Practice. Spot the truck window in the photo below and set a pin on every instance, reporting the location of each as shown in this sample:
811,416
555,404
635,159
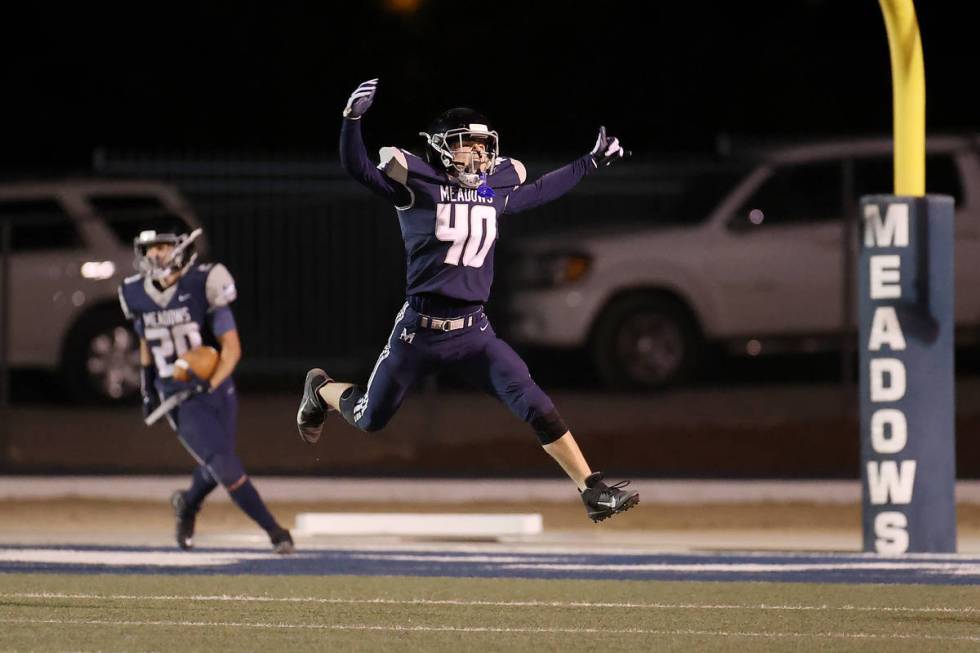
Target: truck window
796,194
691,198
39,225
126,215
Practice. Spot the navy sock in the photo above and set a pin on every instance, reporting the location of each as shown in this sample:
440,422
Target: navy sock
247,498
201,486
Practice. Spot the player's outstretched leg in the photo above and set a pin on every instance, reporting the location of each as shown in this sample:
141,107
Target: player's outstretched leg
603,501
367,408
502,372
207,430
246,497
312,409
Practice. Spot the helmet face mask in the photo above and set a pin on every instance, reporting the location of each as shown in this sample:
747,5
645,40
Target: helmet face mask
461,142
181,254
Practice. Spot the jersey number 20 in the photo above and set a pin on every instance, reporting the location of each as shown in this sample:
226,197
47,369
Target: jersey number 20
164,343
470,230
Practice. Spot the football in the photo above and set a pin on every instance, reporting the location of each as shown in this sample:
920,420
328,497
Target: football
200,360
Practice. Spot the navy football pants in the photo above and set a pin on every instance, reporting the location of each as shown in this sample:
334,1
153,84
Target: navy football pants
206,426
474,353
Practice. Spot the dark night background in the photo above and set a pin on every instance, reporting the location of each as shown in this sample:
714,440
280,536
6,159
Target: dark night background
263,75
320,261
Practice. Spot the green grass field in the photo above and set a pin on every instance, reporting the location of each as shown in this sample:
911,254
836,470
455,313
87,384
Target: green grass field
49,612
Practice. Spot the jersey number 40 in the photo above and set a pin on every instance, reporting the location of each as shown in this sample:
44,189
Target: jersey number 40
471,230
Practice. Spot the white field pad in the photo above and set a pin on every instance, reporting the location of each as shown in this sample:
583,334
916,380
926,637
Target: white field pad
418,524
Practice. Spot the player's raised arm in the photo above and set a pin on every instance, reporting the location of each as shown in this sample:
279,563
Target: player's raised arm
556,183
353,154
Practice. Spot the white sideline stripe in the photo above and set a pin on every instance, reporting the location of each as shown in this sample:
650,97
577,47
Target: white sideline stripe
504,560
126,558
232,598
755,568
520,562
485,629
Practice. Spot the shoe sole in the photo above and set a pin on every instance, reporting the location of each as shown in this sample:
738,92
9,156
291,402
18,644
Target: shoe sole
311,437
623,507
284,548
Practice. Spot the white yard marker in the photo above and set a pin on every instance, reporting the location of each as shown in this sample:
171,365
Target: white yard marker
418,524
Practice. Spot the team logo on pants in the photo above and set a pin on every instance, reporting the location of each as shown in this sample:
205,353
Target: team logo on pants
406,336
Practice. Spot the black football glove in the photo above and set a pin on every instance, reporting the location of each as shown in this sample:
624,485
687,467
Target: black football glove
360,100
607,150
195,384
151,400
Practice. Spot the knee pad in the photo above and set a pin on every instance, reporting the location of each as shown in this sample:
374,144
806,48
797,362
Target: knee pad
549,427
226,468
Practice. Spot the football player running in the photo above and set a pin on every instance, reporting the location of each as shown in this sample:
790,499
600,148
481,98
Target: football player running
448,205
176,306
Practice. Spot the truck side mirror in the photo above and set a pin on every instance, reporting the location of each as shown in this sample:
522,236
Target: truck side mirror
746,221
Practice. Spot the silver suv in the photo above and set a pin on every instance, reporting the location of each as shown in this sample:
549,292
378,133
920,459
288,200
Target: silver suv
763,270
71,245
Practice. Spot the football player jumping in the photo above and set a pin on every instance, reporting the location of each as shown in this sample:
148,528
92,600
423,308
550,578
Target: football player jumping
448,205
176,306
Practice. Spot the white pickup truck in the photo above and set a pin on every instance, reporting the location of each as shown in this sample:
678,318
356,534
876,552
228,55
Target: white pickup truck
71,244
763,271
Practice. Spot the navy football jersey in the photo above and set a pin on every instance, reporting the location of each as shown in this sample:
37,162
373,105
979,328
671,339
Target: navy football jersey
450,232
192,312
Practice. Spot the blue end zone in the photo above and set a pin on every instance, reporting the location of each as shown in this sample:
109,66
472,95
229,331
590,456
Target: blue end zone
770,567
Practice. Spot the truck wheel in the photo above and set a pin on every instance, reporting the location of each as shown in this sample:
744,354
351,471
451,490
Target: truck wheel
100,363
645,342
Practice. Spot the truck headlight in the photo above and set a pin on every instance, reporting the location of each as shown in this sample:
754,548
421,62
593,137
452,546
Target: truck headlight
98,270
552,269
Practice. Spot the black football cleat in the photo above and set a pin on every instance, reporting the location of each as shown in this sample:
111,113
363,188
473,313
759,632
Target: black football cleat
185,520
603,501
282,542
312,411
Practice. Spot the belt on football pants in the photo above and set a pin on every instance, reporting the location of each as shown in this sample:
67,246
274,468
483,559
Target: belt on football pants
449,324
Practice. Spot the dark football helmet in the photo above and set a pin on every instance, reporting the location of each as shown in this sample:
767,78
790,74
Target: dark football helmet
461,142
169,231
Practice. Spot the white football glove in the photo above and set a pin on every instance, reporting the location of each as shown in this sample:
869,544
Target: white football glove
607,150
360,100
